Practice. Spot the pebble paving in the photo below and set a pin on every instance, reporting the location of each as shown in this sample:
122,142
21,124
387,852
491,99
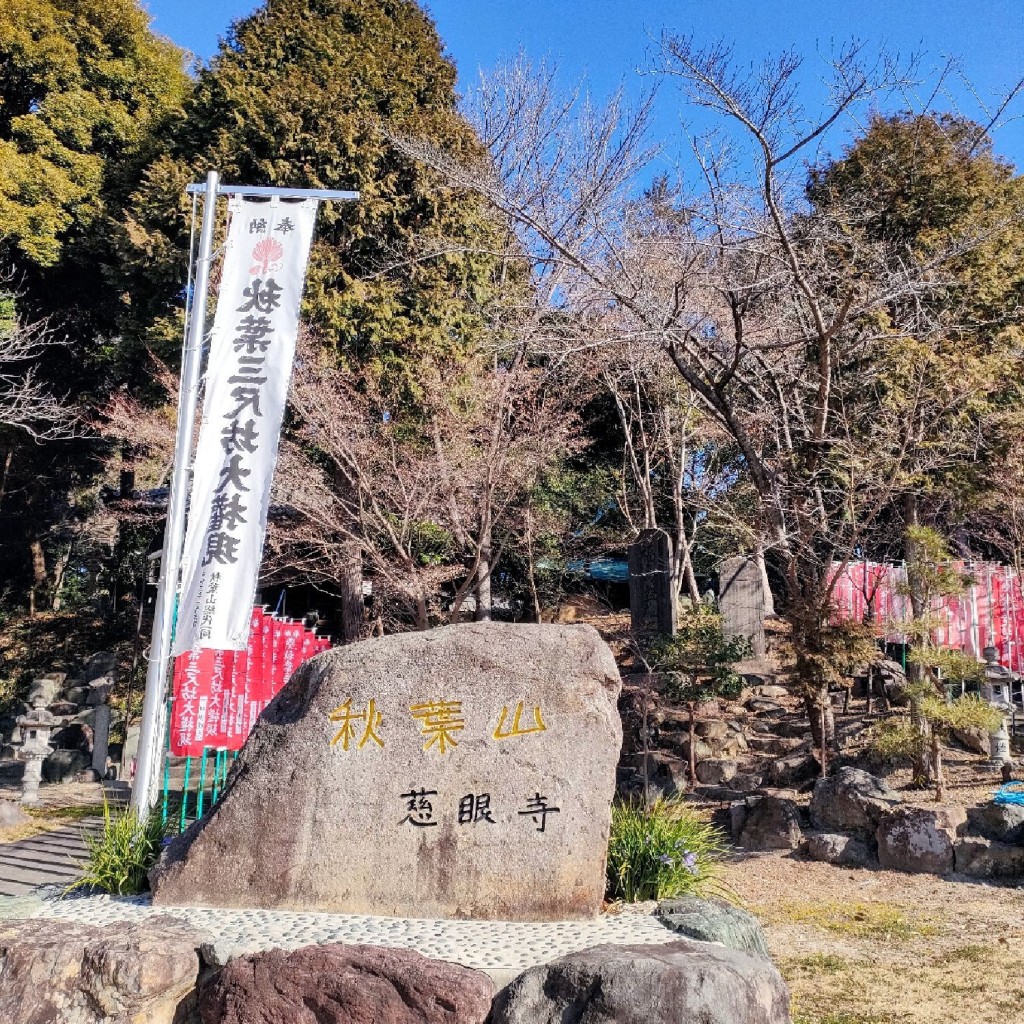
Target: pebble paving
486,945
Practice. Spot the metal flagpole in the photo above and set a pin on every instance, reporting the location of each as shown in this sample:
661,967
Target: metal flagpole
154,707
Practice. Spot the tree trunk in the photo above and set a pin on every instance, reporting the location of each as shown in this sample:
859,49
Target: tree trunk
940,779
350,587
691,707
823,723
482,612
39,579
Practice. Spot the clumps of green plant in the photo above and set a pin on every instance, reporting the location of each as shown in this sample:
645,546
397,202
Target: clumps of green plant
662,852
120,857
893,740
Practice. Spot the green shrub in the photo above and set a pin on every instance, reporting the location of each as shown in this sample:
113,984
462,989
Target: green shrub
662,852
120,858
893,740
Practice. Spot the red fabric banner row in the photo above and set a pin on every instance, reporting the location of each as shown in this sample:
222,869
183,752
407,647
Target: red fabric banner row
989,612
218,695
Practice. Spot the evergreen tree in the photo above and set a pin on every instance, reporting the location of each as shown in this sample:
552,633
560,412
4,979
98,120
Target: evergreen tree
305,93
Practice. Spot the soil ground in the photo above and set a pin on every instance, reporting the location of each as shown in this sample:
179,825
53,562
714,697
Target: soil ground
862,946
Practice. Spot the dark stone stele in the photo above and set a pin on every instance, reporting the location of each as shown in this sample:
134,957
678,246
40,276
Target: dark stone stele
337,984
508,821
652,601
61,971
714,921
670,984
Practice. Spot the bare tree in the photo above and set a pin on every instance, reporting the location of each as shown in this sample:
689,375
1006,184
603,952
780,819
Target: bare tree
778,319
28,404
431,494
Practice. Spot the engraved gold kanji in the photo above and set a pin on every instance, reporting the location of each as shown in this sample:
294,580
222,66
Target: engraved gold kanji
440,719
517,728
346,716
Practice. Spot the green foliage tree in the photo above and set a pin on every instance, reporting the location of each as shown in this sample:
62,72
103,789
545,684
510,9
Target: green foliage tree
82,85
929,190
309,93
85,87
699,660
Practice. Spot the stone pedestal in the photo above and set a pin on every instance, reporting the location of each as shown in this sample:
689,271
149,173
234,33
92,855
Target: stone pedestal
31,779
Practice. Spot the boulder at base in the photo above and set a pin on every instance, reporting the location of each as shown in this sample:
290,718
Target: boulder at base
919,839
851,800
342,985
670,984
119,974
714,921
463,772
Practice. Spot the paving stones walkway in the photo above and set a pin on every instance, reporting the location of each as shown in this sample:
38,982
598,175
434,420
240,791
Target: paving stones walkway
502,948
46,859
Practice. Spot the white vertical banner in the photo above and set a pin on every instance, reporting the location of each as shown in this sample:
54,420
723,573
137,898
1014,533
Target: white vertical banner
252,347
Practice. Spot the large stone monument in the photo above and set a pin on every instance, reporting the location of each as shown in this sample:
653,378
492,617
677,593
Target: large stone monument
652,595
741,601
463,772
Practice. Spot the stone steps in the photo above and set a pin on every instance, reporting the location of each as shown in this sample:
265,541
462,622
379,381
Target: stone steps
49,858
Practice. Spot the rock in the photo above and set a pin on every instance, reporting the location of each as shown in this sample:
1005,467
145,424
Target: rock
680,743
770,823
714,921
667,775
838,849
984,858
62,708
12,815
65,765
43,692
795,728
771,691
99,666
919,839
1002,822
746,781
766,743
712,729
716,771
344,985
735,743
123,973
494,805
851,800
973,738
76,695
670,984
793,769
764,706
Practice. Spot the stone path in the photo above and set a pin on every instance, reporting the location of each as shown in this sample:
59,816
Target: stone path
49,858
502,948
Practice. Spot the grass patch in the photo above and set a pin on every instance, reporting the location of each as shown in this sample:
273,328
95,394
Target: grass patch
877,921
813,963
845,1017
963,955
120,857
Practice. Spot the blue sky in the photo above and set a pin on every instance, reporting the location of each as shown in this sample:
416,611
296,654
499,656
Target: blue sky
610,41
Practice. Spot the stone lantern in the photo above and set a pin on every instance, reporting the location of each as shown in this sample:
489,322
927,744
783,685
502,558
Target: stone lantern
996,690
36,728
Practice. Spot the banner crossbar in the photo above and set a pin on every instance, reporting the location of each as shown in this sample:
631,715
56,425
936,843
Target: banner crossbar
273,190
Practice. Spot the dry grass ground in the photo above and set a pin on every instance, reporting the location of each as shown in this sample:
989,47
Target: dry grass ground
879,947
